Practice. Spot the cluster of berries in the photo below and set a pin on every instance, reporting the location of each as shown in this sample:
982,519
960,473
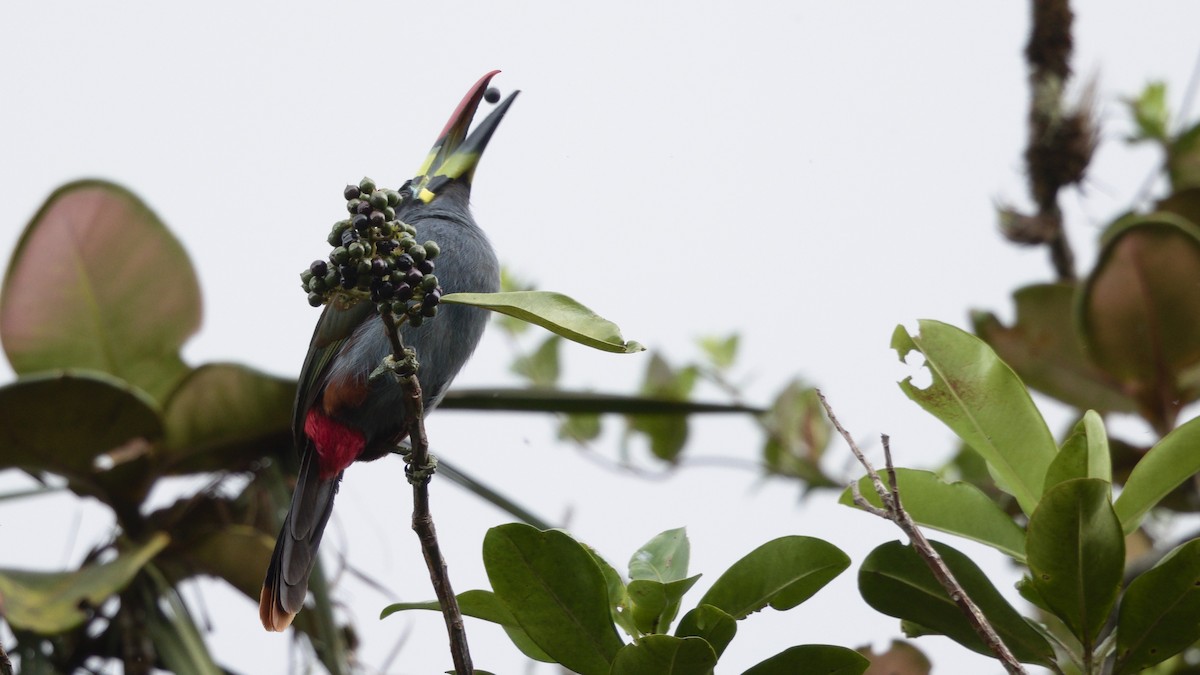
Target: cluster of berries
377,256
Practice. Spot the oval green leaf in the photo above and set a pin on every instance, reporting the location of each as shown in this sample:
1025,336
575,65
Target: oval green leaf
895,580
664,558
1160,613
782,573
556,592
98,282
1163,468
1084,453
483,605
1076,554
556,313
812,660
53,602
655,604
984,402
710,623
957,508
665,655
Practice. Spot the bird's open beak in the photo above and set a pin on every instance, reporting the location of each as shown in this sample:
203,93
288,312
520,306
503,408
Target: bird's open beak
454,154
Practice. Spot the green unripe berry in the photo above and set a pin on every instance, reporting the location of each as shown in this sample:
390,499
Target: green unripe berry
429,311
332,279
415,320
429,282
316,284
364,268
389,213
316,299
366,185
379,200
399,307
417,252
386,229
355,251
352,205
393,197
340,255
305,276
432,250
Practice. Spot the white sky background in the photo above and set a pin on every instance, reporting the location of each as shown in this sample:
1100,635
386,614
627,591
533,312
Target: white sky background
808,175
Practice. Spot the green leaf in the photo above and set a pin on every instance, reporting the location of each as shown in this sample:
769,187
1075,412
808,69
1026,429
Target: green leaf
1183,159
1163,468
710,623
894,580
483,605
664,558
797,434
782,573
556,592
236,553
812,660
956,508
665,655
223,415
61,422
1160,612
1150,113
667,433
619,603
721,352
1076,554
1084,454
560,400
580,427
540,367
556,313
97,282
984,402
54,602
177,640
1044,349
655,604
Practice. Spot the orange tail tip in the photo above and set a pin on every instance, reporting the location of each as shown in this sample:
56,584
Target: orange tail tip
274,616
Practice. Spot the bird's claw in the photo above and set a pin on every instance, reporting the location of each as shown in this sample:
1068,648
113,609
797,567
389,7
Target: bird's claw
421,475
399,369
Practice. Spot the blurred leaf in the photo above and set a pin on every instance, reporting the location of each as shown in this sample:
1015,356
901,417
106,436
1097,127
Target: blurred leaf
957,508
1076,554
61,422
239,554
1084,453
221,416
895,581
54,602
1044,349
901,658
176,639
540,367
580,427
557,593
663,558
721,352
558,400
1183,159
1150,114
667,433
782,573
1160,612
710,623
556,313
984,402
97,282
665,655
510,282
1139,310
481,605
1167,465
812,660
797,434
655,604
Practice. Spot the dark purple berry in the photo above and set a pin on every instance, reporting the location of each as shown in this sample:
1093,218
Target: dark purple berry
360,223
430,299
378,267
364,208
491,95
377,218
404,262
404,292
349,276
387,245
318,268
413,277
386,290
426,266
351,192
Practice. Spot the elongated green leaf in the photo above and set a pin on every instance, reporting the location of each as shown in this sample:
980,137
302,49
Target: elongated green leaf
556,313
812,660
895,580
559,400
556,592
782,573
223,414
1160,613
1076,554
1084,454
957,508
481,605
619,603
984,402
98,282
1170,462
664,558
655,603
53,602
177,640
665,655
1043,347
710,623
61,422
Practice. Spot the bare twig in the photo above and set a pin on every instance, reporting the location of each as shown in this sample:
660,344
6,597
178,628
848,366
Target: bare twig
893,510
420,469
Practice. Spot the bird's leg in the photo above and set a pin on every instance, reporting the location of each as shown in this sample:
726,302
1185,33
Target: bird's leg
397,368
420,475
